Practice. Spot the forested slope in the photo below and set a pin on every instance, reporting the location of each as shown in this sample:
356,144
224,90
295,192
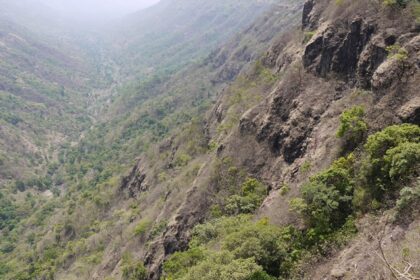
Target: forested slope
45,86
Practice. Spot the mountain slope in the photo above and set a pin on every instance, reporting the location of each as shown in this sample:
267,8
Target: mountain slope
175,33
277,150
342,59
129,118
44,87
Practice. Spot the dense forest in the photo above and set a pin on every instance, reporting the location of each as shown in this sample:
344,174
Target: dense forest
214,140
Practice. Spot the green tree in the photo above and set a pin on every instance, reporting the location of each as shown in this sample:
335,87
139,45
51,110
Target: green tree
391,158
327,197
352,128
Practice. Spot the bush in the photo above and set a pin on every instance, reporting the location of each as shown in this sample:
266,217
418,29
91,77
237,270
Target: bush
141,228
307,36
327,198
260,245
397,52
305,167
134,272
216,229
20,186
285,189
380,142
391,158
352,128
409,200
179,263
223,266
268,245
8,213
7,246
403,160
157,229
252,195
182,160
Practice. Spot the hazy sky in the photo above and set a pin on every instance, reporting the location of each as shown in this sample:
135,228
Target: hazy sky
86,9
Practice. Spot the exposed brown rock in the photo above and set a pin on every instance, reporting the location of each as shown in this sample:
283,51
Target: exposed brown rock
134,183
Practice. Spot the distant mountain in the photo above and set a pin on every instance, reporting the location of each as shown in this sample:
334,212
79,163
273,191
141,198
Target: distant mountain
178,32
44,87
94,10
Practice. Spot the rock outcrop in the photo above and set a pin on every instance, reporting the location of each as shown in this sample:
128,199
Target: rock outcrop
337,48
135,183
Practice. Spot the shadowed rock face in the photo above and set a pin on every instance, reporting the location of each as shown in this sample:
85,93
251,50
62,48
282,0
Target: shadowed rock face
134,183
285,133
338,48
369,61
306,15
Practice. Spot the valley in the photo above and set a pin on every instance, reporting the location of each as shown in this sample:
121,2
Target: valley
215,140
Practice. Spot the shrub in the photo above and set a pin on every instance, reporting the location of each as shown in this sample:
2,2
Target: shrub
135,271
403,160
392,156
141,228
8,213
268,246
409,199
252,194
158,228
415,8
223,266
305,167
327,198
20,186
380,142
397,52
261,275
285,189
307,36
7,246
182,160
179,263
216,229
213,145
352,128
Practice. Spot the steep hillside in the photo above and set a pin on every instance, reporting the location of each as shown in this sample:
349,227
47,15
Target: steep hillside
44,91
342,59
356,57
241,140
70,233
